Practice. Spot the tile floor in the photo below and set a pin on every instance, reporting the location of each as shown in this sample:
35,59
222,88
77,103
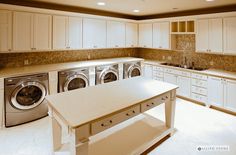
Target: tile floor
195,126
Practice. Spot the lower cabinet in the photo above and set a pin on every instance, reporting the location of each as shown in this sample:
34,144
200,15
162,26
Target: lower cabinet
184,84
215,91
148,71
170,78
230,95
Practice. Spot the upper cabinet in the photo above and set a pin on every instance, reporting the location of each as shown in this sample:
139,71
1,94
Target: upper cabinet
230,35
94,33
161,35
145,35
209,35
115,34
31,31
5,31
131,35
67,32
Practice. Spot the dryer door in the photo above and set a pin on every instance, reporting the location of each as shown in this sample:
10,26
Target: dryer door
133,71
108,75
28,95
75,82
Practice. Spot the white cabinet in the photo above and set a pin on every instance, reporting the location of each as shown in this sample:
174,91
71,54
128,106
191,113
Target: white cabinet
161,35
67,32
148,71
209,35
145,35
131,35
1,102
31,31
5,31
230,35
158,73
184,84
115,34
94,33
170,78
215,91
230,95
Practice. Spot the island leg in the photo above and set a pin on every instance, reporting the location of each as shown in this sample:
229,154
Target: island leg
170,111
79,140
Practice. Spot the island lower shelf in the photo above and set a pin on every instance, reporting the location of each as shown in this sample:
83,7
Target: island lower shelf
131,137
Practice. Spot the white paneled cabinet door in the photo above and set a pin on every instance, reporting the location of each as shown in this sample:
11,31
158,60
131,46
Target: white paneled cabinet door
202,37
115,34
215,91
22,31
230,35
170,78
230,97
148,71
145,35
5,31
215,35
94,33
161,35
184,84
131,34
60,32
42,32
74,33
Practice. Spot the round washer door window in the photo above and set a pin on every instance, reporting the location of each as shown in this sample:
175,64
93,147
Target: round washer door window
28,95
108,75
76,82
134,71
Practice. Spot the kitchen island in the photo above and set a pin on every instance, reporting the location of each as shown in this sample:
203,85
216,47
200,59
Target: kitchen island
111,118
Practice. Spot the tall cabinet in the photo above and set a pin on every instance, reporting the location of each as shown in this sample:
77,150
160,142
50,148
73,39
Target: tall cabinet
131,35
31,31
145,35
115,34
5,31
161,35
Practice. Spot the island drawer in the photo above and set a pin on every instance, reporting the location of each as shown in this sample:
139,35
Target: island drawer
155,102
109,122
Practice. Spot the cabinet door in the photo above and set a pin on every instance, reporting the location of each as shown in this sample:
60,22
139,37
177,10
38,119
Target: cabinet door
230,97
94,33
170,78
216,35
131,34
115,34
22,31
202,36
60,32
42,32
184,84
148,71
161,35
75,33
145,35
5,31
230,35
215,91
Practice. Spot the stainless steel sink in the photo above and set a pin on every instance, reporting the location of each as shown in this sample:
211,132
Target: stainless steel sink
183,66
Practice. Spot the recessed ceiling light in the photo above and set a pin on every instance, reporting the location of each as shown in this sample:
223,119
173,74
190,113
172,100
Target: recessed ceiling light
101,3
136,10
210,0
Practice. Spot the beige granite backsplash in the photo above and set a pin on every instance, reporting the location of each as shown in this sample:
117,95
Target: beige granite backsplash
39,58
199,59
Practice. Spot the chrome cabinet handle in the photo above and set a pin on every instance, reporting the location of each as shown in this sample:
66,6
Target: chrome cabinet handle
106,123
130,113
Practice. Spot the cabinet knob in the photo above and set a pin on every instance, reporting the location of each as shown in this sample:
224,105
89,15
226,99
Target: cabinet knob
94,46
9,50
116,46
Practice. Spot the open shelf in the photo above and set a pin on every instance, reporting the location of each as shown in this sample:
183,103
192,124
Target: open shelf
183,27
174,27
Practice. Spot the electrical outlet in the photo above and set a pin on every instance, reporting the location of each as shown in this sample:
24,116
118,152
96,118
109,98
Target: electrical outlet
88,56
26,62
163,57
169,58
211,63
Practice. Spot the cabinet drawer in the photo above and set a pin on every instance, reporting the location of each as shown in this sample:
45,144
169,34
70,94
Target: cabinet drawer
158,78
172,71
108,122
199,90
200,83
199,98
156,68
155,102
199,76
187,74
159,74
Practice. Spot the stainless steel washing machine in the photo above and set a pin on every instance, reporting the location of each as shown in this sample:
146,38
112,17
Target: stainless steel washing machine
107,73
131,69
25,98
73,79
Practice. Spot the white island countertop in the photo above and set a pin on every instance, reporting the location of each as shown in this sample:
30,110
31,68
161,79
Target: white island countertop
81,106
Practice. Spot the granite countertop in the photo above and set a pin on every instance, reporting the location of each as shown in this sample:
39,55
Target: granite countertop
19,71
211,72
107,99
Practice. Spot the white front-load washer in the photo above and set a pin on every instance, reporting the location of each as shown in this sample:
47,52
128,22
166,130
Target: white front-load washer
132,69
107,73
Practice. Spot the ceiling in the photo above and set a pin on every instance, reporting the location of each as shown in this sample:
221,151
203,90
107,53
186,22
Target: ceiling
146,7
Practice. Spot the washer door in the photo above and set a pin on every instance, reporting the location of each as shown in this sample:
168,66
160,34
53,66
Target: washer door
108,75
75,82
28,95
133,71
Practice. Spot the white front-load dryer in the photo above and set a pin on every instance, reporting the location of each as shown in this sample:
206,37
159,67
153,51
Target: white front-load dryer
107,73
132,69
